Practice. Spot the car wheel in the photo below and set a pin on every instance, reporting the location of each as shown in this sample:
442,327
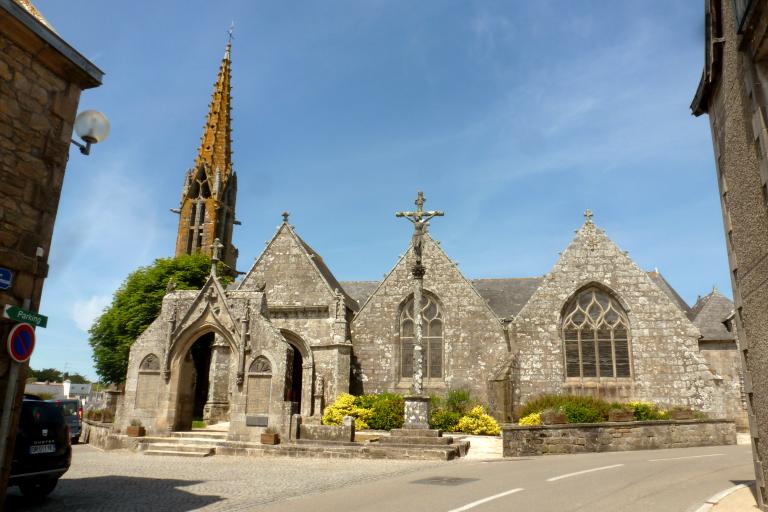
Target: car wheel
38,488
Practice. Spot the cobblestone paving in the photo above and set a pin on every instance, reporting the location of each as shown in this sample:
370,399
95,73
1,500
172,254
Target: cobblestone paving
121,480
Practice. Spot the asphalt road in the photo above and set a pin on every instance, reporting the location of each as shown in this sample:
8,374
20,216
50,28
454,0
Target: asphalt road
677,480
661,480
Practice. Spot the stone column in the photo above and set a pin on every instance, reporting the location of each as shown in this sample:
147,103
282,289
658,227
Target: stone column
217,407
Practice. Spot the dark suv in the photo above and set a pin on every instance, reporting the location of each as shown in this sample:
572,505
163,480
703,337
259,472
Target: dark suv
43,451
72,410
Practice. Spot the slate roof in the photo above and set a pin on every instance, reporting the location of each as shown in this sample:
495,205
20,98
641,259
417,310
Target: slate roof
662,283
360,290
709,313
506,297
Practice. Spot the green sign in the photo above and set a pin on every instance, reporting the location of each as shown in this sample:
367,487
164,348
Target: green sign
24,316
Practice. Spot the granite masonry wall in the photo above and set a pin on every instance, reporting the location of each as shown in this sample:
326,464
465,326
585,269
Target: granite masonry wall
615,437
475,345
666,366
304,305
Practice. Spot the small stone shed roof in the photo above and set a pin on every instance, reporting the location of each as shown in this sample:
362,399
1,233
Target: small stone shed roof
709,313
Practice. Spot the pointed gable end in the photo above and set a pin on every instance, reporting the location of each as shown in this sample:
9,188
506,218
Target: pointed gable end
294,274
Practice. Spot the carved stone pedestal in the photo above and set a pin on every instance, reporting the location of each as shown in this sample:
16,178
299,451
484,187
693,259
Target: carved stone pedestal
416,412
215,412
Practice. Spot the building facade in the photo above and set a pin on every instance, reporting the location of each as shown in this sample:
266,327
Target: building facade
41,78
733,93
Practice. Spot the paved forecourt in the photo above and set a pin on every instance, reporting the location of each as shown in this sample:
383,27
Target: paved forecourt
123,480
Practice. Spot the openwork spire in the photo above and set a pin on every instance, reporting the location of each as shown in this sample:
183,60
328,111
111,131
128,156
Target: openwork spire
216,145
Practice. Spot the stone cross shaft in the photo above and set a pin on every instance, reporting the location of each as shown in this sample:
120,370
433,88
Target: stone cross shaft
216,248
419,218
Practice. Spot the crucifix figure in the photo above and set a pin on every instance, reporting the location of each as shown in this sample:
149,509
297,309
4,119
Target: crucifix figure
216,247
419,218
588,215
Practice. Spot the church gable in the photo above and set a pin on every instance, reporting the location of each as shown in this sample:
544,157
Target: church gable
467,349
663,360
294,274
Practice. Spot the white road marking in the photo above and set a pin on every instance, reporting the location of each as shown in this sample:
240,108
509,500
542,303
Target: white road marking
486,500
689,457
555,478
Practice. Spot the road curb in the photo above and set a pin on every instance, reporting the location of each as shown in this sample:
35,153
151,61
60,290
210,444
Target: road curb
716,498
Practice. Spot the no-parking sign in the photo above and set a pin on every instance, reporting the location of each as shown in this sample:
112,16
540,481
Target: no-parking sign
21,342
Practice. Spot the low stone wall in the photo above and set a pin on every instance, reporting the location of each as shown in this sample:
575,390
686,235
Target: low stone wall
102,435
615,436
344,433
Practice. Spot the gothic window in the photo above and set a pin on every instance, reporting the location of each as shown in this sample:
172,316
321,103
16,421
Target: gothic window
149,382
596,336
431,335
259,386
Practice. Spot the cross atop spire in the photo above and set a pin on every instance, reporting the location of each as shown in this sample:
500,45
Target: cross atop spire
419,215
286,214
588,215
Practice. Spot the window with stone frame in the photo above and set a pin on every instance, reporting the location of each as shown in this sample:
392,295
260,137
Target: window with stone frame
199,192
259,386
596,336
149,382
431,336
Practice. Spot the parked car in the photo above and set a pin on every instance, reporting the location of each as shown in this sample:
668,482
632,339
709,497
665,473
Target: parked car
43,450
72,409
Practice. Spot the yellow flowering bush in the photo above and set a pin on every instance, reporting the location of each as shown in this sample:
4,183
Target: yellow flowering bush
478,422
647,411
531,420
345,406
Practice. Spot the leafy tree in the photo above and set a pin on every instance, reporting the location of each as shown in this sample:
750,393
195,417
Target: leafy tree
76,378
136,304
46,375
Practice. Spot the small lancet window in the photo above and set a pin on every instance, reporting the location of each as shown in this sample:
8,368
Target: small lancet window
596,336
431,336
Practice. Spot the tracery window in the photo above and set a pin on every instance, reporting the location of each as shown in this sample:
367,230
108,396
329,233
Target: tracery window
431,336
199,191
596,336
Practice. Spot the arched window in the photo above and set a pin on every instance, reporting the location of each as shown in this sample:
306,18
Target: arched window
148,383
259,386
596,336
431,336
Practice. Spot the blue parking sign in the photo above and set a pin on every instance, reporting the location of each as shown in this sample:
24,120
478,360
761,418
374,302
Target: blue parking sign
6,278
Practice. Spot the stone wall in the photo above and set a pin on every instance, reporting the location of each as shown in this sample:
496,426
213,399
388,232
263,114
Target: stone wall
475,347
666,366
303,304
615,437
725,361
41,78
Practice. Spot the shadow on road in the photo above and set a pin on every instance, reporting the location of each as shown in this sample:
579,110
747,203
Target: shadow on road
114,493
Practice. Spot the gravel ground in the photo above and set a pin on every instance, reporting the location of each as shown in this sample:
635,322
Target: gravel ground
122,480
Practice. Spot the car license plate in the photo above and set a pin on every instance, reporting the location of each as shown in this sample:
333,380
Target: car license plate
42,448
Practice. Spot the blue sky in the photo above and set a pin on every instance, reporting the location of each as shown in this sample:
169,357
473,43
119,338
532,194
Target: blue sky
513,117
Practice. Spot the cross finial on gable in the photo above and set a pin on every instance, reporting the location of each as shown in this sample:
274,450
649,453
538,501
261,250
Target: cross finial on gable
286,214
588,215
216,247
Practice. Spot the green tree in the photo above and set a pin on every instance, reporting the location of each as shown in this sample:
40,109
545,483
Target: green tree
136,304
46,375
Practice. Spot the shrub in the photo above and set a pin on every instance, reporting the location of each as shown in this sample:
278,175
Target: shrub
458,400
531,420
478,422
386,408
444,420
345,406
647,411
583,413
575,407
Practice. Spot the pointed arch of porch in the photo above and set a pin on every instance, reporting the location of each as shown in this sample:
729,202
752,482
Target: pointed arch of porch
307,368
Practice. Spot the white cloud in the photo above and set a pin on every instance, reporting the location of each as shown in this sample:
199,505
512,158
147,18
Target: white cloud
84,312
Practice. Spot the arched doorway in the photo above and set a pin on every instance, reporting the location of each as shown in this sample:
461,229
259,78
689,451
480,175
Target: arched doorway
194,370
299,375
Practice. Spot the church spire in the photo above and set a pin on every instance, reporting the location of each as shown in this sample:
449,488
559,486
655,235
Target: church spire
207,209
215,149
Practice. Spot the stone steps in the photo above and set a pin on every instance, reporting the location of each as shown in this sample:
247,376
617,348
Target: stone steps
201,434
416,440
178,453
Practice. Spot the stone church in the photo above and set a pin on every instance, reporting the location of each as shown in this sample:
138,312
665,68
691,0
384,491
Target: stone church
287,337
